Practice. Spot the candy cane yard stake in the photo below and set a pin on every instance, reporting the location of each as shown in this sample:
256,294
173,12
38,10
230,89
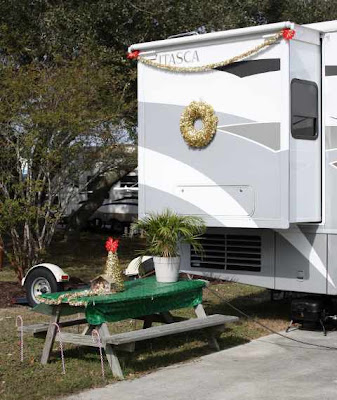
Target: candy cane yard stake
19,320
97,340
61,348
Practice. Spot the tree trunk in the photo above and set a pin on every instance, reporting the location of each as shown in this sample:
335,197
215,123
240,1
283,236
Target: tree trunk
101,187
1,254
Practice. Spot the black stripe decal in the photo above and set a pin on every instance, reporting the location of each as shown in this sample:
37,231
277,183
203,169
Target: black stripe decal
330,70
252,67
115,203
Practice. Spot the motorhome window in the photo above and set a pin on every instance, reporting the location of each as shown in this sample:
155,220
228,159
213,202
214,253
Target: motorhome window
304,109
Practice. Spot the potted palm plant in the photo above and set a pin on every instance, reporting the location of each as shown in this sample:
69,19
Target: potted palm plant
164,234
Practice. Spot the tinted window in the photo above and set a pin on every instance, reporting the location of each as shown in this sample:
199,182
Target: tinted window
304,109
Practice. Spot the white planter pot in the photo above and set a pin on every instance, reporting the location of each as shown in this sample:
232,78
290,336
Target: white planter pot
167,269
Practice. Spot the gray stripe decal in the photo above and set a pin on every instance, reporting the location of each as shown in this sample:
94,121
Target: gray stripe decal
174,110
267,134
330,70
251,67
330,137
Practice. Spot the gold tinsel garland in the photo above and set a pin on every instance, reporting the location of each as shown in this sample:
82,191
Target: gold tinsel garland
193,112
201,110
173,68
71,298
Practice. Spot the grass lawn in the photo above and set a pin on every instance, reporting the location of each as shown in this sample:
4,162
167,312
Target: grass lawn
85,259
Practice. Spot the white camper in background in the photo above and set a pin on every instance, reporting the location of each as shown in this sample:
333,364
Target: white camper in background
119,209
266,185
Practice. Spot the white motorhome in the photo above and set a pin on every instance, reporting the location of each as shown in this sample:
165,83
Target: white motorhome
119,208
266,185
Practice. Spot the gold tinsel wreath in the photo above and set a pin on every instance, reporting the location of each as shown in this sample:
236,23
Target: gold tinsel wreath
194,111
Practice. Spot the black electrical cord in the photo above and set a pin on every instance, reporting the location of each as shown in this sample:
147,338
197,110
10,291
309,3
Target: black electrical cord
254,320
267,327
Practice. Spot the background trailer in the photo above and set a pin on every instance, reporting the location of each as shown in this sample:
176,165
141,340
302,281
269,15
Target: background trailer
266,184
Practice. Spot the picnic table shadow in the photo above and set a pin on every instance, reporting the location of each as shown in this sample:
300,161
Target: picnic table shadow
255,305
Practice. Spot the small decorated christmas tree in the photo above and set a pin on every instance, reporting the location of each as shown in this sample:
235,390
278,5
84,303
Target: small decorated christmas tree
112,279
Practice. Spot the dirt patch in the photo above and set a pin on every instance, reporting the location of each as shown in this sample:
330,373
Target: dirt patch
8,290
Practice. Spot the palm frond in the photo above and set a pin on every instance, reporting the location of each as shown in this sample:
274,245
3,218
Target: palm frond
165,232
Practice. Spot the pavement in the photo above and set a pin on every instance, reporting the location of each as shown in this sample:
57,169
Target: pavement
267,368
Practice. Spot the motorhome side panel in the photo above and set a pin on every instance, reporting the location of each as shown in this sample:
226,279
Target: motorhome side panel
305,132
304,261
244,178
301,260
241,179
329,74
330,128
237,255
301,256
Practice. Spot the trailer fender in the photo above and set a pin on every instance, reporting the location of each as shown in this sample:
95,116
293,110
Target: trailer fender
57,271
133,268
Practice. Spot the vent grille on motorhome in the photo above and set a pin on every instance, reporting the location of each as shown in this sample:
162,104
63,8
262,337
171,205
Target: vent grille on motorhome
229,252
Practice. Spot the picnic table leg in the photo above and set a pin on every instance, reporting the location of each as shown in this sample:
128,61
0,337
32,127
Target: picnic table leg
110,352
88,330
51,333
200,313
148,320
167,317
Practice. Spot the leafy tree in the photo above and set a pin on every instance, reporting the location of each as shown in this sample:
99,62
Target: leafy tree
65,84
55,123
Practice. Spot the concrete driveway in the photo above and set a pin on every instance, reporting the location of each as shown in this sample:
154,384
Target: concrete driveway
268,368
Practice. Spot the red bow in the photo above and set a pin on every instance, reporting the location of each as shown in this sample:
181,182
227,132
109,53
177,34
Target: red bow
288,34
111,244
133,55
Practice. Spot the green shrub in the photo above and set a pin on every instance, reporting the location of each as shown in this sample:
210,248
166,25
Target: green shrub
165,232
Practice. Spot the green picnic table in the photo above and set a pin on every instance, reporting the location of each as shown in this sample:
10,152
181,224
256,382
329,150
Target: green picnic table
142,299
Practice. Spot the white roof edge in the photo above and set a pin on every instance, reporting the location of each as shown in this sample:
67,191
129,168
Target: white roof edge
264,29
324,26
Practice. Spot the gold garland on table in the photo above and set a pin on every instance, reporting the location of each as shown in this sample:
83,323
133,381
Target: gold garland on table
173,68
193,112
71,298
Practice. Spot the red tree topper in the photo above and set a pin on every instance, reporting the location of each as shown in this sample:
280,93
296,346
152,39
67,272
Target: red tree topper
288,34
133,55
111,244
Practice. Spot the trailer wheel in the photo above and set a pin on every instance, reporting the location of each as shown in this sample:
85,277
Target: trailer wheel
40,281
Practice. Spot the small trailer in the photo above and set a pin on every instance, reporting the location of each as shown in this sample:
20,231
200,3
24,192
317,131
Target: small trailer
265,181
41,279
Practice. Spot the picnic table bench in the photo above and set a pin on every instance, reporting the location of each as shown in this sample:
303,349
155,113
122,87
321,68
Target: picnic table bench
142,299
